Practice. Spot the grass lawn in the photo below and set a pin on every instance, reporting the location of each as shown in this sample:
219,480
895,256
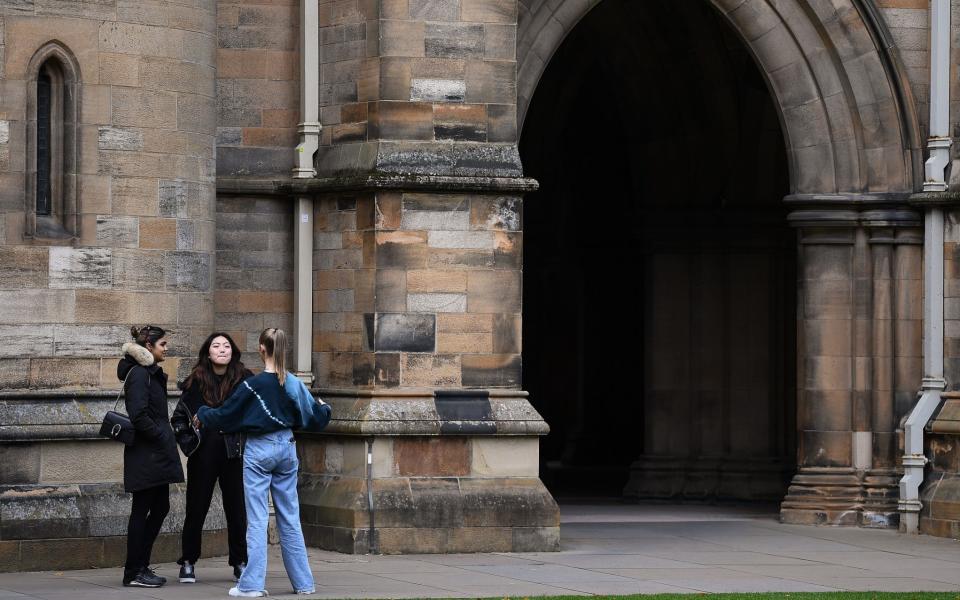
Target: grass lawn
773,596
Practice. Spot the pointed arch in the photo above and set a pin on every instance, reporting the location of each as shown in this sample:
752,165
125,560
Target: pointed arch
831,68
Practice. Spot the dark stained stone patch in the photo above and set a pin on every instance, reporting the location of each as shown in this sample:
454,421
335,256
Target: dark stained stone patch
387,369
405,332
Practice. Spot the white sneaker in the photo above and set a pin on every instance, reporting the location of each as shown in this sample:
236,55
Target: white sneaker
310,591
235,592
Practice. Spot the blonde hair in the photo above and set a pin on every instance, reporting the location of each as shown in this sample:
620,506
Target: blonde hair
274,342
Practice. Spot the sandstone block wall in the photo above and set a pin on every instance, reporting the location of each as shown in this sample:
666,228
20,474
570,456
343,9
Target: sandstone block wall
417,290
426,73
254,285
258,104
144,183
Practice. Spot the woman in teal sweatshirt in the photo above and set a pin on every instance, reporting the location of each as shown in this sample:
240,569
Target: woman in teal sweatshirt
268,408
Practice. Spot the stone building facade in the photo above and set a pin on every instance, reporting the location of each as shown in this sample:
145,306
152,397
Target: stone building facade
685,239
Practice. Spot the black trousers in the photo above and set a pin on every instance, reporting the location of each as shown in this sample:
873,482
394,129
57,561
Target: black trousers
205,467
150,508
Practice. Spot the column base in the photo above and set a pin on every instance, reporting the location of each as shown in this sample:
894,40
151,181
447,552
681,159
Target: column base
454,474
659,477
824,496
881,491
423,515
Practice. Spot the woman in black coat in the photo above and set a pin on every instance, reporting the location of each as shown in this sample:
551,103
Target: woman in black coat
151,463
217,458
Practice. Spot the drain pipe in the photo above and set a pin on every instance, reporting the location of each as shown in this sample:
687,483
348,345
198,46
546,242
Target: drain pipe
372,546
935,181
309,130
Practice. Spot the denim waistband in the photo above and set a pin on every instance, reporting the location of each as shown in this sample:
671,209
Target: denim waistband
283,435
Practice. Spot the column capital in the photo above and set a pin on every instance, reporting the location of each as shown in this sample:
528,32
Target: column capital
851,210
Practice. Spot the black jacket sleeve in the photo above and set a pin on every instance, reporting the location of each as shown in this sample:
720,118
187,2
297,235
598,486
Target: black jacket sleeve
137,400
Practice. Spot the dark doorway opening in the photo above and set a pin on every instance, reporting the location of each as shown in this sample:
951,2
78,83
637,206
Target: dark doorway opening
659,322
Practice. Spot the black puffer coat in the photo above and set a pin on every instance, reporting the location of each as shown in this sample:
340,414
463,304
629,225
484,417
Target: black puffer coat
152,459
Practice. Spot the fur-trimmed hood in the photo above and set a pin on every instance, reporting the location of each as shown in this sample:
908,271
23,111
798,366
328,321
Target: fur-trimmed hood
138,353
133,355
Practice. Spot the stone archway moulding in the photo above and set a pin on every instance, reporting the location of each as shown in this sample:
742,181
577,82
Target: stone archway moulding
838,86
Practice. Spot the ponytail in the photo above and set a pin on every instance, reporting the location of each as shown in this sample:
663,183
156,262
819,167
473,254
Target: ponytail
274,342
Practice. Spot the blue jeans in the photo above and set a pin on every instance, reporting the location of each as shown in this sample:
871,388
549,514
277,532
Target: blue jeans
270,463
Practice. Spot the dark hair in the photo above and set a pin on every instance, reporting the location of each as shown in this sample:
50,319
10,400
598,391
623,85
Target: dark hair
274,342
147,334
213,393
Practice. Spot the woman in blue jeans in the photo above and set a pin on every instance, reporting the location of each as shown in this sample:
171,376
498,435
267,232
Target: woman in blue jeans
268,407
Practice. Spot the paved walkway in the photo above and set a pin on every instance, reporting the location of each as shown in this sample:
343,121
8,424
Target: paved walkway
606,550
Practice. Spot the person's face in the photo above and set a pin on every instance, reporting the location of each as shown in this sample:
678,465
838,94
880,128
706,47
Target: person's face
159,350
220,351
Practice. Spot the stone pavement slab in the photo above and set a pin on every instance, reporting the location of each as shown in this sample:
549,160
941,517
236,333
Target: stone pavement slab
605,550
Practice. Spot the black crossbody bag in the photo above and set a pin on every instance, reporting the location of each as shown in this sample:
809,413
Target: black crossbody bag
116,425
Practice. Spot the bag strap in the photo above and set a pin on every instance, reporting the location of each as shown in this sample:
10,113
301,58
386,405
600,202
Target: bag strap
123,388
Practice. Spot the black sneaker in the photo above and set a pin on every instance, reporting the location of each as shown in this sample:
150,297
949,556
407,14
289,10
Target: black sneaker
187,574
145,579
160,577
238,570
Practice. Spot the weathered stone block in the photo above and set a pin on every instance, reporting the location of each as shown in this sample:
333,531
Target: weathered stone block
464,343
438,90
472,240
387,369
489,11
425,370
14,373
434,10
88,340
419,281
505,457
495,212
437,302
507,334
401,38
117,231
119,138
453,40
64,373
500,42
137,270
37,306
401,121
135,106
119,69
23,267
402,332
402,249
491,370
20,463
81,462
391,290
464,323
493,291
80,268
432,457
187,271
134,196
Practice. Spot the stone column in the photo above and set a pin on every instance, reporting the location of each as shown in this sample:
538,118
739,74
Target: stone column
858,345
826,488
417,287
896,246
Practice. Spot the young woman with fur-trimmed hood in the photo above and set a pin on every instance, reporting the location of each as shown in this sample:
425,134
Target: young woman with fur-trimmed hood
152,462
